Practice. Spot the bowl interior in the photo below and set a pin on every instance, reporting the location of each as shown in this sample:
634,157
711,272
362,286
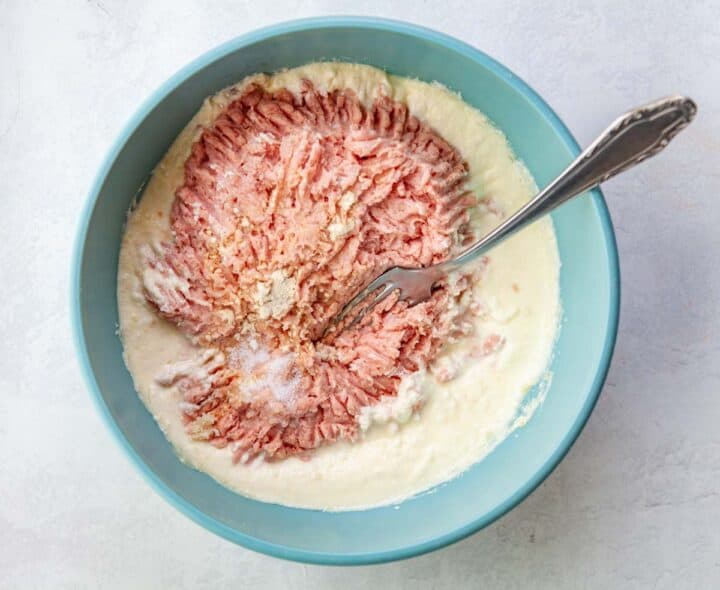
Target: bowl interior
588,290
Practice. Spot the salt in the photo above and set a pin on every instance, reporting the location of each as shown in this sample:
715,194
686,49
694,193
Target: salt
264,371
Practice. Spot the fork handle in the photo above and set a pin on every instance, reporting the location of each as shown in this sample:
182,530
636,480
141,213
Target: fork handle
632,138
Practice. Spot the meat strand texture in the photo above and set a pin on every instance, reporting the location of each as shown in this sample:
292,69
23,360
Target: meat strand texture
290,204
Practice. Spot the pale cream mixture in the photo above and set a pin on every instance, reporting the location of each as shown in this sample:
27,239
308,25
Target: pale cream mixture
470,403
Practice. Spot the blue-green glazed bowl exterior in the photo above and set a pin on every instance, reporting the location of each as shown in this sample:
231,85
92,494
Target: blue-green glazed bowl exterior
589,282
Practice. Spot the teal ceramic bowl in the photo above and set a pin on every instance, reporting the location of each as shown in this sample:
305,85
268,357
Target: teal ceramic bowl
589,289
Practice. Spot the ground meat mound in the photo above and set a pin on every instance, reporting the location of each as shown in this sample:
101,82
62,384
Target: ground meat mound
291,203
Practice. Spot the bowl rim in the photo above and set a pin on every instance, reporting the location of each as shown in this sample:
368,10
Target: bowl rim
188,509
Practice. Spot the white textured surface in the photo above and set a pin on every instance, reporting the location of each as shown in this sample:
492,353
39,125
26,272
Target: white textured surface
636,503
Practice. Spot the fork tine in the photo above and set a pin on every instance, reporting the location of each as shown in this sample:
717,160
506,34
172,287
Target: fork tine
361,295
382,294
381,286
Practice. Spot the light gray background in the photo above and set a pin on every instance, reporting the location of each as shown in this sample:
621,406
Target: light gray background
636,504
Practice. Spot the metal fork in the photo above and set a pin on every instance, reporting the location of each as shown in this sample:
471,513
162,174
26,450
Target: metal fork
632,138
